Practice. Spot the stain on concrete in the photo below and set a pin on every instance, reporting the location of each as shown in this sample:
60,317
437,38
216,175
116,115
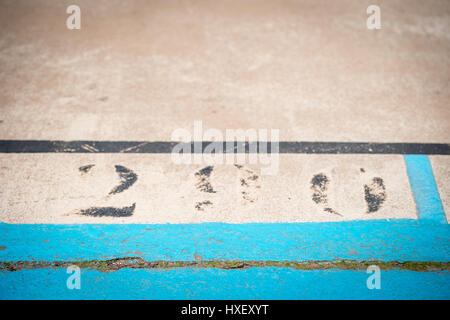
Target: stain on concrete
319,186
86,169
204,183
127,179
200,206
108,211
375,194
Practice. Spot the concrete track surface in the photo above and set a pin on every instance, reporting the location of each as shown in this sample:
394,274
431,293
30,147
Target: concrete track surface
361,177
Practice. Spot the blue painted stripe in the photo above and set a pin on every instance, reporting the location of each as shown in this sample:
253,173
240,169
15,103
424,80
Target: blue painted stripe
423,185
253,283
399,240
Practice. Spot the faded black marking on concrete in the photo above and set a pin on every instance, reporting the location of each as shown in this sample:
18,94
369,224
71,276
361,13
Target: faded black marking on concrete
204,184
108,211
330,210
319,186
200,206
249,183
375,194
85,169
127,179
206,172
56,146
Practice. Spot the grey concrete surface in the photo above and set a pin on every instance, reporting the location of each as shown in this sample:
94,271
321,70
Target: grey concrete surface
137,70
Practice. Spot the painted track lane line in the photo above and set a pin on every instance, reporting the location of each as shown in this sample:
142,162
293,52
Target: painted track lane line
425,191
211,283
394,240
45,146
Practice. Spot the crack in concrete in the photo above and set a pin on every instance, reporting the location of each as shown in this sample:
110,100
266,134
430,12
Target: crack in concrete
140,263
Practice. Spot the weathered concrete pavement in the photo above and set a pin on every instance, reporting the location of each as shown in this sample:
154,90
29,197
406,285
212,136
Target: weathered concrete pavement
138,70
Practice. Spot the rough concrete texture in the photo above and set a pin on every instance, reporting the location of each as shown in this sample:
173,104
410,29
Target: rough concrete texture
137,70
51,188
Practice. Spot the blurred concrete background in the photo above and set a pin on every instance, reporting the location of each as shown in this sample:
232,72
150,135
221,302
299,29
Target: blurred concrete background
137,70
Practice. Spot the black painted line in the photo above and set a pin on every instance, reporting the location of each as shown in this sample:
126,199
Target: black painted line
127,179
108,211
293,147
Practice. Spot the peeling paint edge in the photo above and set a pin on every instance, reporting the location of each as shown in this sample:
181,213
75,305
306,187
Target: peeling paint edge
140,263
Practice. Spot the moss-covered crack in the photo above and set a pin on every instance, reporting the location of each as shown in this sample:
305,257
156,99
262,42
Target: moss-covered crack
140,263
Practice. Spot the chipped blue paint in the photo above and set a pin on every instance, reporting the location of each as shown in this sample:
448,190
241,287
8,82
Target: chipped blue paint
399,240
423,186
254,283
